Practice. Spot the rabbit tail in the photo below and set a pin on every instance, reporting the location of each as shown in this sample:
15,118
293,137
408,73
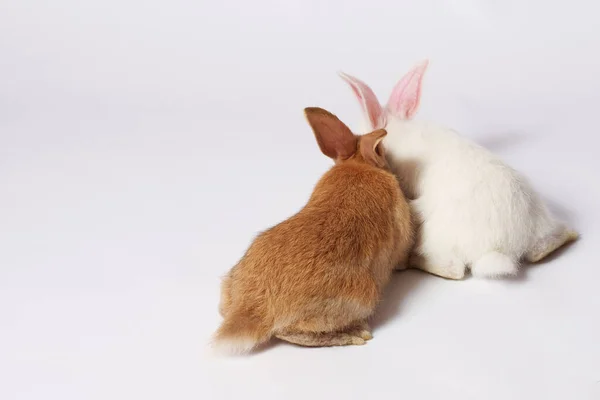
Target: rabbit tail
240,332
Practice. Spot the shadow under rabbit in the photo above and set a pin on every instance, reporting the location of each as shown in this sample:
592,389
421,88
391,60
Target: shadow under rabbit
402,285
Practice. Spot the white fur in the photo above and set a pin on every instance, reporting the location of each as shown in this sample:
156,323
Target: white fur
234,346
472,206
494,264
473,210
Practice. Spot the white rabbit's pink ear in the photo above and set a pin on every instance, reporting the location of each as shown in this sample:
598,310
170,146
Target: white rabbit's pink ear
405,98
368,101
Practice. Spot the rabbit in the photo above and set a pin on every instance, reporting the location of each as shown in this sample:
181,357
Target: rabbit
315,278
472,211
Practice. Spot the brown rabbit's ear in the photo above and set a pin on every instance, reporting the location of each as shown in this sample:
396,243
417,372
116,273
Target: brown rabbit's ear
335,139
371,147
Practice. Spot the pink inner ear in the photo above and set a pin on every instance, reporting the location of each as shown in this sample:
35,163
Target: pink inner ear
368,101
405,98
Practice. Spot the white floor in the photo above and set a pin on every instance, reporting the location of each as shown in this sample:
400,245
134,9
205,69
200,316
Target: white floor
143,144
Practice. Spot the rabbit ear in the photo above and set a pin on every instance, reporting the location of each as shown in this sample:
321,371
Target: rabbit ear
405,98
371,147
335,139
368,101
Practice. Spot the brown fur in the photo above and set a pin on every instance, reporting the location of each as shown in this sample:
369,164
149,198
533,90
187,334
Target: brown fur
315,278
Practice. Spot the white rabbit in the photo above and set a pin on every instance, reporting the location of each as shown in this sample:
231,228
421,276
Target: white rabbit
474,211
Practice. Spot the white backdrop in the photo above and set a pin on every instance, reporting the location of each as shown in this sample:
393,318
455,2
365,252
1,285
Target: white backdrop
144,143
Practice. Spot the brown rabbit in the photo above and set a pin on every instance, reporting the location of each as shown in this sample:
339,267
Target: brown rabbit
315,278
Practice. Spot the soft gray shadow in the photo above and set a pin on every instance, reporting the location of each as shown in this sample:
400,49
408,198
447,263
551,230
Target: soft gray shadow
403,284
526,266
560,212
498,142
